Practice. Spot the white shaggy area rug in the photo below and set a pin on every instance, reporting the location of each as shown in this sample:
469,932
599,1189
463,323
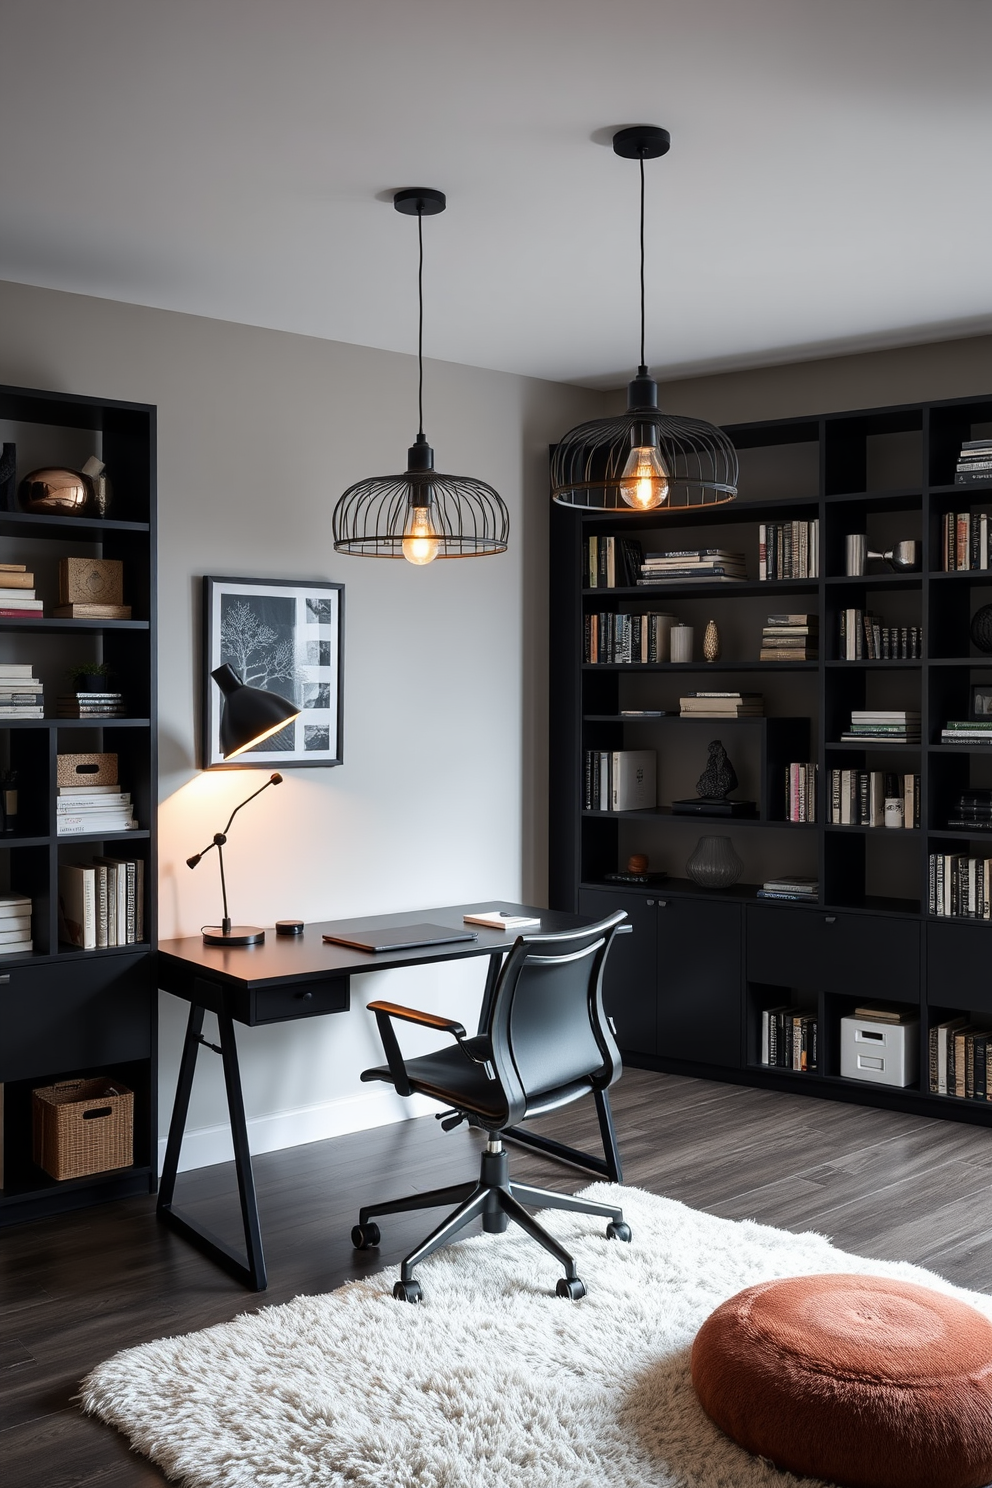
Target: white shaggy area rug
490,1382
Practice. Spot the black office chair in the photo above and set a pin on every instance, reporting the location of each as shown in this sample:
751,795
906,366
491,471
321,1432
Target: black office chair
547,1042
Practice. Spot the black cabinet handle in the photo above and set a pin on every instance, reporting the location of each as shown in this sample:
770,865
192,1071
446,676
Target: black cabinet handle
662,903
830,919
306,996
649,903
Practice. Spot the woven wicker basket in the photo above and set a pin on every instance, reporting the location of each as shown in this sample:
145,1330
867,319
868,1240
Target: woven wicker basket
82,1126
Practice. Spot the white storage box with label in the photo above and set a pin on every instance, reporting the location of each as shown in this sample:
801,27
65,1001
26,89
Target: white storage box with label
884,1053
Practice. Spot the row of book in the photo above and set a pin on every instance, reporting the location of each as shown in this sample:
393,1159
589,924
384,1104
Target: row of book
86,705
789,550
972,810
974,467
800,791
722,705
101,903
612,562
21,693
796,886
789,1039
864,638
964,541
613,637
790,638
689,565
883,725
960,887
959,1059
85,810
18,598
15,925
620,780
873,798
967,731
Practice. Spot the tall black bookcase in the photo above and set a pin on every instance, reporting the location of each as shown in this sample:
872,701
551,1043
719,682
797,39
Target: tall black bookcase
687,990
66,1013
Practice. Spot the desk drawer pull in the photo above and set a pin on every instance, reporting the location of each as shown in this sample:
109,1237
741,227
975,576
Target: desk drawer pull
306,996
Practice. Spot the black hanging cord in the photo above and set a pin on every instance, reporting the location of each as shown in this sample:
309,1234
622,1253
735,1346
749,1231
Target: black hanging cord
420,326
643,365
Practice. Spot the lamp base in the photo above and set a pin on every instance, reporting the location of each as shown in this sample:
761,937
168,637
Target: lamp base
238,935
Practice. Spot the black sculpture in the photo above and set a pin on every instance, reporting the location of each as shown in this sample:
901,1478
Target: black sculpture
719,778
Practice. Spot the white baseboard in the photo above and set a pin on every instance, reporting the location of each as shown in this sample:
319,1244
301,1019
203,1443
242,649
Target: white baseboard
206,1145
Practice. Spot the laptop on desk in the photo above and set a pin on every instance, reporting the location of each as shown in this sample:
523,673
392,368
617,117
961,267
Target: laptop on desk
399,937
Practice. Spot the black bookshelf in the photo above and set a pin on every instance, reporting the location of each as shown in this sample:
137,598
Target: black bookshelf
688,988
67,1013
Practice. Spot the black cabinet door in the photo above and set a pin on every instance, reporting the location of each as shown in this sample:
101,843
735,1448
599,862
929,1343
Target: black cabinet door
699,981
785,946
872,956
630,982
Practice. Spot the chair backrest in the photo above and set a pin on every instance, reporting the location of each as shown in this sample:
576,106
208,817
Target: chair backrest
547,1027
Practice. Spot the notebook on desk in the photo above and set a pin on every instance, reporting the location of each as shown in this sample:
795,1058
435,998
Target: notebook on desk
399,937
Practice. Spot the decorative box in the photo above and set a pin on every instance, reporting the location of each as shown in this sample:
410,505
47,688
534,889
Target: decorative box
883,1053
87,769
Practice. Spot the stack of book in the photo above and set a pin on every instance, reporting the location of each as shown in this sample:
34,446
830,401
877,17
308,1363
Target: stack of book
21,694
17,595
92,810
690,564
788,1039
869,798
964,540
973,810
864,638
790,638
91,705
611,637
722,705
797,887
960,886
960,1061
974,467
967,731
800,792
612,561
789,550
621,780
883,726
101,903
15,925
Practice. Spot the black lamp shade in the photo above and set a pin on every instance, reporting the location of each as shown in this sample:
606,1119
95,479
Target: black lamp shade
249,715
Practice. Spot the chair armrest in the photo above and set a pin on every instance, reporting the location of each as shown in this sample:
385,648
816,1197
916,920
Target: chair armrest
414,1015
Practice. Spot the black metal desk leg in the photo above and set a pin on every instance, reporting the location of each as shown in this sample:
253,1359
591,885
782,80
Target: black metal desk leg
253,1273
492,977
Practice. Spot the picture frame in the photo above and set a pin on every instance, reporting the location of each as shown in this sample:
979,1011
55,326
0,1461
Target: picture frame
981,702
284,636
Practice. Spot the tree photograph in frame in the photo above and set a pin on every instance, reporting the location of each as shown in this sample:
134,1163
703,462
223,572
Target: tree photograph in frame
282,636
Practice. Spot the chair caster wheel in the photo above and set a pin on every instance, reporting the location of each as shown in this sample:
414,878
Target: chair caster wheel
571,1287
408,1291
365,1237
618,1229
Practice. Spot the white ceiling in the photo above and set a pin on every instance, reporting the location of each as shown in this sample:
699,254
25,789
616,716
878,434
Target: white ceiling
828,185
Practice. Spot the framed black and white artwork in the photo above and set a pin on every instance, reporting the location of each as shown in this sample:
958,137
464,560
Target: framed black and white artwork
285,637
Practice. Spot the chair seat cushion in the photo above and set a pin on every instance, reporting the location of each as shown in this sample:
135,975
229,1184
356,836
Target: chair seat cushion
447,1075
862,1380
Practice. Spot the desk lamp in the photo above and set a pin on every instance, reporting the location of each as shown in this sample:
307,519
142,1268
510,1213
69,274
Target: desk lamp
249,714
226,934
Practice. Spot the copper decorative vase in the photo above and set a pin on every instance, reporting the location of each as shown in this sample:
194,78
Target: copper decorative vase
54,491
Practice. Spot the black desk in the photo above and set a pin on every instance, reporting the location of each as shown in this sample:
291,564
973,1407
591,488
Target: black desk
303,977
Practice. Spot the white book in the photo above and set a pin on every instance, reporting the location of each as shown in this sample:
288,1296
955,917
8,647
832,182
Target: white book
6,593
77,905
87,792
15,930
633,782
71,806
20,947
16,669
90,826
497,919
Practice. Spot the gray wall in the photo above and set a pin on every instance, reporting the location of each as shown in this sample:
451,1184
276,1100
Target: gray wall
441,797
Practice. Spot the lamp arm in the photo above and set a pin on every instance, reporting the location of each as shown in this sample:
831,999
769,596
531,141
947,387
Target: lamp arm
274,779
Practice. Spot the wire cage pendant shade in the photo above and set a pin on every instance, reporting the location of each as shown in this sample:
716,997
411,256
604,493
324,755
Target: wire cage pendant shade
643,459
422,514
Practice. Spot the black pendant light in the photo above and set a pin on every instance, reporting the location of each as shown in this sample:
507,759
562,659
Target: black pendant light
643,459
422,514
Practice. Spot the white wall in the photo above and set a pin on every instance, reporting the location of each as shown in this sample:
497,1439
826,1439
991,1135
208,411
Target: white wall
441,798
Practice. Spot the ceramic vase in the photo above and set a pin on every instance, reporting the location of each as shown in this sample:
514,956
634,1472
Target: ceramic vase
714,863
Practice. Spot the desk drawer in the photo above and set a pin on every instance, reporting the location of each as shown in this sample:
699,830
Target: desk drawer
300,1000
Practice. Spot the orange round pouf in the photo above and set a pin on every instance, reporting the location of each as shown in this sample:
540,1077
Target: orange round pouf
861,1380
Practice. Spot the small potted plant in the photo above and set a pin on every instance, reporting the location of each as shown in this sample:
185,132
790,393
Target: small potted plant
90,676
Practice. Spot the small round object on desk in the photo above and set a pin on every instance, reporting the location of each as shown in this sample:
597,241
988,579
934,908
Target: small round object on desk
861,1380
289,927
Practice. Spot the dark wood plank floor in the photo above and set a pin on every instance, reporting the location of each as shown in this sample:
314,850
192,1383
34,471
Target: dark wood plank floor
76,1289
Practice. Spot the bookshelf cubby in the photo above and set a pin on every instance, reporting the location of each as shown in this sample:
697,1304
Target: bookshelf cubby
67,1013
688,989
